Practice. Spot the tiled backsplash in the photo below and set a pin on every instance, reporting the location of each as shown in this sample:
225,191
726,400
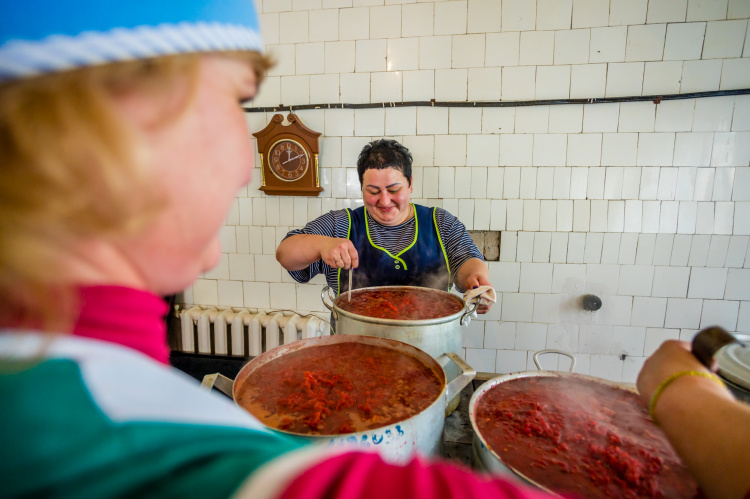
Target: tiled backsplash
644,205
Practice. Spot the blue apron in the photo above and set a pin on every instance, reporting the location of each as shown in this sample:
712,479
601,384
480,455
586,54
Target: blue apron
423,263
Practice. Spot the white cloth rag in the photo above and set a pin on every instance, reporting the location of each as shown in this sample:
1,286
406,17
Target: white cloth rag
483,295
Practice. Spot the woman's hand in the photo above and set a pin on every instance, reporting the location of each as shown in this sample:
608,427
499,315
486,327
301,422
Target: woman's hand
671,357
474,281
339,253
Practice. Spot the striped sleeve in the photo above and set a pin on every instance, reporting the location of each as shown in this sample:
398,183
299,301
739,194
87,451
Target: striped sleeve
332,224
458,243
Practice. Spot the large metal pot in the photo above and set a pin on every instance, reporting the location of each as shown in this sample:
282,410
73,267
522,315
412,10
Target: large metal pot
422,433
483,456
434,336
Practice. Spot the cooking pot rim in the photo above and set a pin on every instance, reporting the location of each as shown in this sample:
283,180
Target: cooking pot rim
401,322
486,386
400,346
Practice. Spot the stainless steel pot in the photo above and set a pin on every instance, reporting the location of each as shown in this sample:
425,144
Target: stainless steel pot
483,456
421,433
434,336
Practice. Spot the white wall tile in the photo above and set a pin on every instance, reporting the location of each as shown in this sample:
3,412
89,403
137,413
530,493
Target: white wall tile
724,39
624,79
717,251
550,149
608,44
684,41
537,48
531,336
517,307
230,293
707,283
720,313
736,252
450,17
595,339
698,75
662,78
590,13
324,25
518,83
636,280
637,117
648,312
294,27
417,19
645,42
468,50
731,149
554,14
432,120
667,11
525,247
559,247
655,149
625,12
418,85
578,182
509,361
581,215
737,284
588,81
571,46
450,150
576,245
451,84
532,119
401,121
435,52
369,122
355,88
518,15
627,340
502,49
593,250
656,336
483,16
484,84
516,150
584,149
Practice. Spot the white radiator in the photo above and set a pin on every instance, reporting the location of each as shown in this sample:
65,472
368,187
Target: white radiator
244,332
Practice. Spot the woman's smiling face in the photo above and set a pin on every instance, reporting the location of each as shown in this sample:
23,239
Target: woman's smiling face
387,195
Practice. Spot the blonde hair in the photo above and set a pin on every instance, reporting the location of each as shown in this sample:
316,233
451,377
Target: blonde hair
69,168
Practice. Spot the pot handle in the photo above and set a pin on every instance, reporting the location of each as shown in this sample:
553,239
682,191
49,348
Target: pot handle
326,291
218,381
467,316
459,382
561,352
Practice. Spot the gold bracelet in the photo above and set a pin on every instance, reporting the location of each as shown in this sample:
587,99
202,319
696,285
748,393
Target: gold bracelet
669,380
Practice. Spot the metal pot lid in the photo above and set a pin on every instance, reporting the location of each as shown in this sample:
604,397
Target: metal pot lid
734,364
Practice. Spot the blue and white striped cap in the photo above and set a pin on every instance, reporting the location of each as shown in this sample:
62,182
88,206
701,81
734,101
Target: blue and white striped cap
47,36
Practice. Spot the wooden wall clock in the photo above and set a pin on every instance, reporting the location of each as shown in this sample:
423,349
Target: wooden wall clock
289,158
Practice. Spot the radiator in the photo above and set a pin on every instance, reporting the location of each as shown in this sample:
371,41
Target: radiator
243,332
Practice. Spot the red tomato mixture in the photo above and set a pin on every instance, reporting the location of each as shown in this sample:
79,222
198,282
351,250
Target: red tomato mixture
340,388
412,304
581,437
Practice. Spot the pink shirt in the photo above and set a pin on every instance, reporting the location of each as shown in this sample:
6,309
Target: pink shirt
125,316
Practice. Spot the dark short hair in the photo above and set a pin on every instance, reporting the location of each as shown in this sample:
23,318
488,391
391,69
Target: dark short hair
384,153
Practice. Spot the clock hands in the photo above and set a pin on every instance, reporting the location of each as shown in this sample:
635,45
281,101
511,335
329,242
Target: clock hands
290,159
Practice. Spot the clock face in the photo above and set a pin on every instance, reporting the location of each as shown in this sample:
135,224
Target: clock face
288,160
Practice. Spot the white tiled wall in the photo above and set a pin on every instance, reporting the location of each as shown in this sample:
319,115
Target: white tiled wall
647,206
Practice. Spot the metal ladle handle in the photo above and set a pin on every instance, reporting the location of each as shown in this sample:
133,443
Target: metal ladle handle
709,341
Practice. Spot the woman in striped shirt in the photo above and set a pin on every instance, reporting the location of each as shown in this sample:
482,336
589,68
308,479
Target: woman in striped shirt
389,240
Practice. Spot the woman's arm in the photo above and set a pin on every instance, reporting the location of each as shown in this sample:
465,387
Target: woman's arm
299,251
707,427
474,273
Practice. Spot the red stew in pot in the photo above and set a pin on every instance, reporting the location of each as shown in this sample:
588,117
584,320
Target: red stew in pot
580,437
339,388
404,304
